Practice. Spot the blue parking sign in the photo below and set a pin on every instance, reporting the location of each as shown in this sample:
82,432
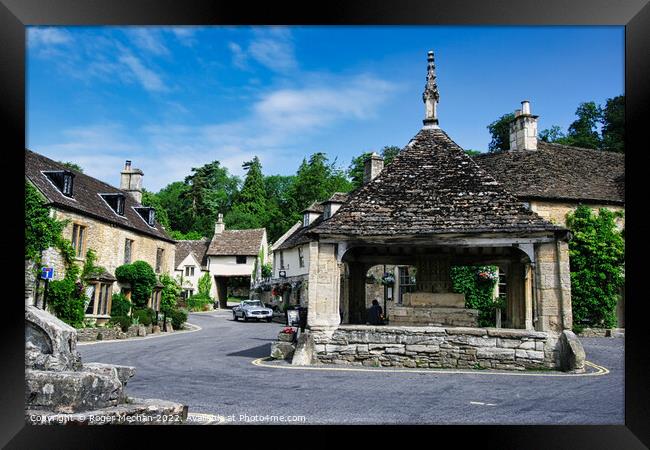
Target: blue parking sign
47,273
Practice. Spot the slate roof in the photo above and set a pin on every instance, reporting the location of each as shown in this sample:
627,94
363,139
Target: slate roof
559,172
432,187
236,242
198,247
337,197
300,236
314,207
86,199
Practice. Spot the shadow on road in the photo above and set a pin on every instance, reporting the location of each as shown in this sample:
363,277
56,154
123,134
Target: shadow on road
255,352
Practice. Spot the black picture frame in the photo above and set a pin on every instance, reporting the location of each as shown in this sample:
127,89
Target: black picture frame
633,14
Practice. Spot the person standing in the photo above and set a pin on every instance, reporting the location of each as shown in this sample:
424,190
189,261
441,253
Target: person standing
375,315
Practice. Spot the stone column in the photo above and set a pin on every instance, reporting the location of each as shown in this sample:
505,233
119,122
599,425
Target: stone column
554,286
528,297
324,288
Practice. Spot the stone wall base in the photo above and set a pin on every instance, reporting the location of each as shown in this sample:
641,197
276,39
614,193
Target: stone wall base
438,347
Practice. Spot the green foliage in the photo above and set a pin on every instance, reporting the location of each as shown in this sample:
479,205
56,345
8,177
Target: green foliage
152,200
175,200
198,302
89,268
66,298
597,255
471,152
189,236
142,279
478,294
205,284
169,294
613,118
179,317
357,166
124,322
120,305
553,134
583,131
267,270
146,316
249,210
500,132
72,166
41,230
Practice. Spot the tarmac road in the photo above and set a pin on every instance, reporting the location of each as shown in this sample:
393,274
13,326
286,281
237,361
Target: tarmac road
211,370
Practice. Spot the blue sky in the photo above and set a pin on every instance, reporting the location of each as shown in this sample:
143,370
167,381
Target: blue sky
173,98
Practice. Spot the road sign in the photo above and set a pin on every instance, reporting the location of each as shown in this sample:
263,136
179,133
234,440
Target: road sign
47,273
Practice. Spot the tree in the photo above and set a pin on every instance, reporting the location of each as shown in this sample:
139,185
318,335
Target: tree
356,168
176,202
553,134
500,131
277,188
583,132
72,166
141,277
613,118
597,255
210,191
152,200
249,210
471,152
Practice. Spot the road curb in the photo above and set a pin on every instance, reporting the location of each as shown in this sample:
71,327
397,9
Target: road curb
144,338
600,370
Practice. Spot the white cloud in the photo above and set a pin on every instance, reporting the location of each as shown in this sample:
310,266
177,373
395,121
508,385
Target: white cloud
185,35
149,79
238,55
273,48
38,36
149,40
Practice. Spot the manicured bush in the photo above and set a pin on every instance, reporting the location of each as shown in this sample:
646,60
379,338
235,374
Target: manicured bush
197,302
179,317
142,279
146,316
123,321
479,292
120,305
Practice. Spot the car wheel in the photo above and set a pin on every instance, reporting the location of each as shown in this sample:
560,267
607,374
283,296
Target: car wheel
245,317
268,319
234,317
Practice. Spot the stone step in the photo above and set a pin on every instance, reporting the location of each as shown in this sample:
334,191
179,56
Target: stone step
72,391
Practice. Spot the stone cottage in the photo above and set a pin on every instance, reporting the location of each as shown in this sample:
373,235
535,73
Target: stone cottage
111,221
553,179
434,207
230,256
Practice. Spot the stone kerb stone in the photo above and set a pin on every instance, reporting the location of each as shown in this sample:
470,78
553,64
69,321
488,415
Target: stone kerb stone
437,347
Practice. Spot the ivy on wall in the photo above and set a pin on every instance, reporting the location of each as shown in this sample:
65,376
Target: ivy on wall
596,256
478,290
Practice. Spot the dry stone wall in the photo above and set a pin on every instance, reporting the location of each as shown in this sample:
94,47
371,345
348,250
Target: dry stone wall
438,347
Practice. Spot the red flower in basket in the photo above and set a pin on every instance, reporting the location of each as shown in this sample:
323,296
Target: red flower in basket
287,330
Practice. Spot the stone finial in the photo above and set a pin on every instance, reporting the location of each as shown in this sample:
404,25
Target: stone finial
372,166
430,96
523,129
219,226
131,181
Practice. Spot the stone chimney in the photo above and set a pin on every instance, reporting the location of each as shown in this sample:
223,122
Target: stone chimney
430,96
131,181
372,166
219,226
523,129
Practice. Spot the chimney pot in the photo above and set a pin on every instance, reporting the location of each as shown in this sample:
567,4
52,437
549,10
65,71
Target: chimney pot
525,107
131,181
373,165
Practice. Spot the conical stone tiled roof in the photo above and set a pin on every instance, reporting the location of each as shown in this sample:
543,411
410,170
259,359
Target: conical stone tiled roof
432,187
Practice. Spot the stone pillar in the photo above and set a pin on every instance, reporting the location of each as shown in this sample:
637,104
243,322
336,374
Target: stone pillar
324,289
528,297
554,287
515,295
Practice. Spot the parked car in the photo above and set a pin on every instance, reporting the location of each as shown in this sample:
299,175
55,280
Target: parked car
252,309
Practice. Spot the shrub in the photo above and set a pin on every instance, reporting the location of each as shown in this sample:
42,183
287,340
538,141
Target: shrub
479,294
179,317
597,253
41,230
142,279
120,305
146,316
124,322
198,301
67,300
170,293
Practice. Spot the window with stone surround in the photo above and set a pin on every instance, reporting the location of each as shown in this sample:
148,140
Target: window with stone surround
128,249
301,257
160,253
241,259
78,239
189,271
100,299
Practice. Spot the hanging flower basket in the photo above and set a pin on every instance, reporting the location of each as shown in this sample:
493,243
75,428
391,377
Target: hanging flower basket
287,330
486,276
388,279
370,279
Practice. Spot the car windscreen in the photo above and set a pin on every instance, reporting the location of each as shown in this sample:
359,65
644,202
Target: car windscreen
254,304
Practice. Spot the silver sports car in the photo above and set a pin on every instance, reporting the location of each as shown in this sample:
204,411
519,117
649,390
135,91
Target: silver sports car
252,309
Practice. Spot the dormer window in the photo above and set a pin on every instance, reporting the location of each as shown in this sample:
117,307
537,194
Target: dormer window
116,202
62,179
148,215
